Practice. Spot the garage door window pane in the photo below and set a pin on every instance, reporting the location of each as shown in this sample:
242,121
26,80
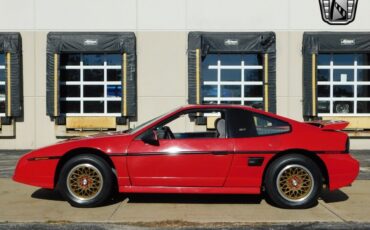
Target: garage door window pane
230,91
323,75
363,91
363,107
323,59
231,102
253,75
231,59
323,91
94,75
70,91
2,106
2,75
323,107
363,59
252,59
343,107
70,59
93,59
94,106
343,91
255,104
2,90
209,90
70,74
114,74
70,106
344,59
114,91
252,90
93,91
343,75
114,106
230,75
114,59
363,75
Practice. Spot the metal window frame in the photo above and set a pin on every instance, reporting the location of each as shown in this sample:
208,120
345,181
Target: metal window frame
105,67
241,83
331,67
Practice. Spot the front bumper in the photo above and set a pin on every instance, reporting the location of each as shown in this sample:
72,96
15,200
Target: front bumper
39,172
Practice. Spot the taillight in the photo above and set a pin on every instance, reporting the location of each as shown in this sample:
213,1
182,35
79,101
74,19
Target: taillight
347,146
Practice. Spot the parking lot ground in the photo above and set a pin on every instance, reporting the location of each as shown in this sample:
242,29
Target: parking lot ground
22,203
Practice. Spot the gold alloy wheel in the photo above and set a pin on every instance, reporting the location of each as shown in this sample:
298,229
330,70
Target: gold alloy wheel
295,183
84,182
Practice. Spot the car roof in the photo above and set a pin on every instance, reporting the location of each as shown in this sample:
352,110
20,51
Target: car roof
244,107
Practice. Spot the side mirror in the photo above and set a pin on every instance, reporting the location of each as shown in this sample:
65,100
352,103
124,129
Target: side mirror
151,138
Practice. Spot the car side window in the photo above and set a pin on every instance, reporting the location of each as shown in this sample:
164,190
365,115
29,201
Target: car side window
269,126
194,124
244,123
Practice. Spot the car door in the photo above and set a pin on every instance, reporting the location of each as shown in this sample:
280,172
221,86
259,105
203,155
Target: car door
257,138
183,162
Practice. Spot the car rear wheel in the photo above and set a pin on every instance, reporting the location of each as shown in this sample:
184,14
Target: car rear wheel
293,181
86,181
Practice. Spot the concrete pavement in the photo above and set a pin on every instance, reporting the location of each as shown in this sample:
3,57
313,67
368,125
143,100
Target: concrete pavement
22,203
25,204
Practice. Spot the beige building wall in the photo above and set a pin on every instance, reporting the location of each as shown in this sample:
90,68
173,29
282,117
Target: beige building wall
161,28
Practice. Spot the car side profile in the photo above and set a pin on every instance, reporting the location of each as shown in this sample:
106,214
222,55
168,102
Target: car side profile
199,149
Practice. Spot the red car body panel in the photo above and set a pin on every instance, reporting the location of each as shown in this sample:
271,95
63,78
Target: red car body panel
195,165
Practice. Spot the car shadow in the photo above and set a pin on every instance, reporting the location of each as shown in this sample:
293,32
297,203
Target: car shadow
194,198
47,194
334,196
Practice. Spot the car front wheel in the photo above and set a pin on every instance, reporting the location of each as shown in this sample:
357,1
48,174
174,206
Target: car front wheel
293,181
86,181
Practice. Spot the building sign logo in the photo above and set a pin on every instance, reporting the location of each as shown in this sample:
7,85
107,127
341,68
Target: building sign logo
347,42
231,42
338,12
90,42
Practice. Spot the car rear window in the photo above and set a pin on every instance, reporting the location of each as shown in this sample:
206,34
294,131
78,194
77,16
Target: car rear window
244,123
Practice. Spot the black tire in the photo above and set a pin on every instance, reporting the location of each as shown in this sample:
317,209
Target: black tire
287,182
86,181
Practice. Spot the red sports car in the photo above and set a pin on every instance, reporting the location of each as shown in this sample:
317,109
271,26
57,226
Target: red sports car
210,149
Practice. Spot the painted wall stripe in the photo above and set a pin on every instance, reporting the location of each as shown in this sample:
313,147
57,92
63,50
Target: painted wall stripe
56,84
197,75
124,82
314,84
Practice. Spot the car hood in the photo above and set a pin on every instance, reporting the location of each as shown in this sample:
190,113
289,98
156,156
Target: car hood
97,135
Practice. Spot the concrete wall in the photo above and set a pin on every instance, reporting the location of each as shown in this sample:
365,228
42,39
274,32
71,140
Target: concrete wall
161,27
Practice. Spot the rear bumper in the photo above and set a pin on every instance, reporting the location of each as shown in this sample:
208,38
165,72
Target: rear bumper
342,169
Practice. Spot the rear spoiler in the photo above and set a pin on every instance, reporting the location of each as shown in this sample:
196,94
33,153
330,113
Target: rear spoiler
329,125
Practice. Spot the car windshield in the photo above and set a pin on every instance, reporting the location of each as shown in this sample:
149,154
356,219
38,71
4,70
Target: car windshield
149,122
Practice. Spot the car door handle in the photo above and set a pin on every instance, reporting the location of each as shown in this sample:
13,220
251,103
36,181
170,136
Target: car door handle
220,152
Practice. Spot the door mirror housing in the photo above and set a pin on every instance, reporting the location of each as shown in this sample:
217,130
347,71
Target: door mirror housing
151,138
